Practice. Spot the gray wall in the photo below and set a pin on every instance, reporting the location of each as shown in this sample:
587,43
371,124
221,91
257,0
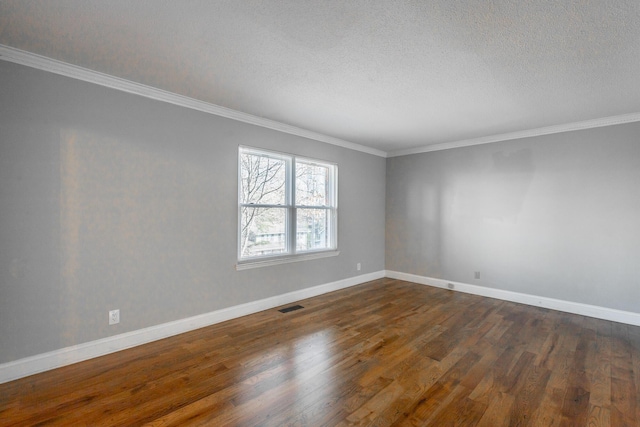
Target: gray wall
110,200
555,216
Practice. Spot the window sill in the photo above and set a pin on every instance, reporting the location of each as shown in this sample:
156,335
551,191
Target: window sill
245,265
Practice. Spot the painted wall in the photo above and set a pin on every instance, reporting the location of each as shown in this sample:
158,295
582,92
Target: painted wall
555,216
110,200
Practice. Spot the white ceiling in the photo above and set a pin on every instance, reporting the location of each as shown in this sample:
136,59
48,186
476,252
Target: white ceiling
391,75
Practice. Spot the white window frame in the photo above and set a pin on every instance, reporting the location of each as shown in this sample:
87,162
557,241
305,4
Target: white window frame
291,253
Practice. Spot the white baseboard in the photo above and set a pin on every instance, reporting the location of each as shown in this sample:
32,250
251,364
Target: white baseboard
605,313
77,353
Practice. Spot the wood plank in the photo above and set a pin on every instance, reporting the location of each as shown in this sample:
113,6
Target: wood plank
598,417
430,403
460,411
624,391
634,339
497,413
528,398
599,366
575,406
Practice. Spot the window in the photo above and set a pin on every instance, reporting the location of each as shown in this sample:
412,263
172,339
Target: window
287,205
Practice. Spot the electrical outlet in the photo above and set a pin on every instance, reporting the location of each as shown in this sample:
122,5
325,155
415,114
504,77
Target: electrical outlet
358,266
451,286
114,317
477,275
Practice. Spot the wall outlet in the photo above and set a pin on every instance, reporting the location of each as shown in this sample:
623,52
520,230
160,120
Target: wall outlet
451,286
114,317
358,266
477,275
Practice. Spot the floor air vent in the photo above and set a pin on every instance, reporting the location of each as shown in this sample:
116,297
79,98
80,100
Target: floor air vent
292,308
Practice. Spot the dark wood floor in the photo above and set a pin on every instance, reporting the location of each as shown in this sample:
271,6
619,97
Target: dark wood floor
384,353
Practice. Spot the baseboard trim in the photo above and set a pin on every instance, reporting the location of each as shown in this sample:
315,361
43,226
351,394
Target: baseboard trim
598,312
66,356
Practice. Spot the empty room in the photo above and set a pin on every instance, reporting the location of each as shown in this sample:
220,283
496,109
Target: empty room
320,213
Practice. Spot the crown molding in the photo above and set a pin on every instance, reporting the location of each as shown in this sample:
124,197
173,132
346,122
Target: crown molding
587,124
44,63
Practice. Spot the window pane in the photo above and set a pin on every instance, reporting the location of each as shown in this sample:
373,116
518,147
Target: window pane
312,183
312,229
262,179
263,231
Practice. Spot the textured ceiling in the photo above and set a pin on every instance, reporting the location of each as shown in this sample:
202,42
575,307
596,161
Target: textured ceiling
391,75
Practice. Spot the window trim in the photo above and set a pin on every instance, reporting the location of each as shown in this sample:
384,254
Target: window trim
292,254
247,264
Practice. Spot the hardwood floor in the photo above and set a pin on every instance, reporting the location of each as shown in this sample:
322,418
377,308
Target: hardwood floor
383,353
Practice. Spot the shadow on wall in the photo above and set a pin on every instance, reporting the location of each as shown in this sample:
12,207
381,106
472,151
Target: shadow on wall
499,193
131,227
414,217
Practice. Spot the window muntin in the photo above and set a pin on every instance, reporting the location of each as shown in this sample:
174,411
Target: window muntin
287,205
